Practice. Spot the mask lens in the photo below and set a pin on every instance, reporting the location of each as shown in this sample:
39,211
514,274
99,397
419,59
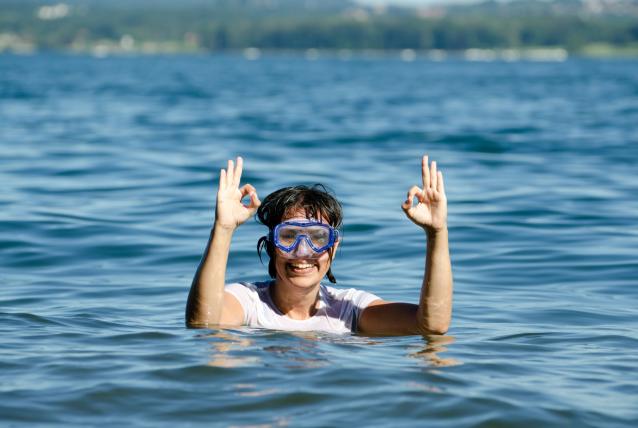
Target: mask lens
287,235
319,236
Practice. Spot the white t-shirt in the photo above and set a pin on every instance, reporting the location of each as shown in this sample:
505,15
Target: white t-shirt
338,309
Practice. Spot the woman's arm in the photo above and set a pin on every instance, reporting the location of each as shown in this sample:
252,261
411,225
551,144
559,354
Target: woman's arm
435,304
207,302
434,311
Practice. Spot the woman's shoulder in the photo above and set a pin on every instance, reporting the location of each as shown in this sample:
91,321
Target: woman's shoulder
346,303
252,285
247,289
351,294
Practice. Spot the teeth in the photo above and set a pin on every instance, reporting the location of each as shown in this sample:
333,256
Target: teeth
301,265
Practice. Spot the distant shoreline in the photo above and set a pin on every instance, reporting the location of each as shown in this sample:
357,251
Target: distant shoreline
484,31
557,54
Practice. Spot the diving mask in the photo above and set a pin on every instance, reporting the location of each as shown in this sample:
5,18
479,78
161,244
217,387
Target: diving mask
303,239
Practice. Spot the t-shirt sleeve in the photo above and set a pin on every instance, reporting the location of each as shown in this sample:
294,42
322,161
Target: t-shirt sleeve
357,301
361,299
246,294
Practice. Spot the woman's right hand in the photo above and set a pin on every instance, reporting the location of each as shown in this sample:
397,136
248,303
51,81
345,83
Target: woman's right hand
229,211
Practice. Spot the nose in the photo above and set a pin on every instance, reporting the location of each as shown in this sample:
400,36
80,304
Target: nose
303,250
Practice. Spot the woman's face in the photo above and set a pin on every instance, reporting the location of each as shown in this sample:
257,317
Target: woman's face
302,271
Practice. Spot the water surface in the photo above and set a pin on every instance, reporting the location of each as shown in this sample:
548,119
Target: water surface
108,175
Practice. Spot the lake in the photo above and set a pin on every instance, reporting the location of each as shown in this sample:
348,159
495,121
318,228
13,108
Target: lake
108,169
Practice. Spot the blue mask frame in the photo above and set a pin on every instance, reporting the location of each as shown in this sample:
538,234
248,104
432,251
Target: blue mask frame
333,236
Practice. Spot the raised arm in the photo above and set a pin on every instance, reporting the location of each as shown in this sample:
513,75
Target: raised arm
435,303
433,313
207,302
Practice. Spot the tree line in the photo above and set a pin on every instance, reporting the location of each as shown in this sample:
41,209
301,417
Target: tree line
213,29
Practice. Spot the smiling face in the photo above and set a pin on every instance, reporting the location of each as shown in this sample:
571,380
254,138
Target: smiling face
301,203
296,268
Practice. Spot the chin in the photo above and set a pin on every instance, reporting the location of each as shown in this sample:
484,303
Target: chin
304,283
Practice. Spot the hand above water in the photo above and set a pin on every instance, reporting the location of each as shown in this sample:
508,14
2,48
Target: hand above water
229,211
430,211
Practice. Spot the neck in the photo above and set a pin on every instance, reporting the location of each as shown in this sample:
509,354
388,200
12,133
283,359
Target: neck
294,302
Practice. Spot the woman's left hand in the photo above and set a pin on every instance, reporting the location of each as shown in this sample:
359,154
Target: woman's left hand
430,211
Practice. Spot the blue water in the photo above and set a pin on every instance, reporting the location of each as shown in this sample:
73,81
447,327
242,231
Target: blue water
108,183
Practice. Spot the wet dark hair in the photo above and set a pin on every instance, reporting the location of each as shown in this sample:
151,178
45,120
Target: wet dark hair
316,201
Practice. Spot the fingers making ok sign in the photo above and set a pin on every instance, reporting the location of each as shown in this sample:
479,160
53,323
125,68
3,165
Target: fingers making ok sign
230,212
430,211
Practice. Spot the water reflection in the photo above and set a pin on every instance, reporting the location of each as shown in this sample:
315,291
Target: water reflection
299,350
434,345
309,350
227,350
253,390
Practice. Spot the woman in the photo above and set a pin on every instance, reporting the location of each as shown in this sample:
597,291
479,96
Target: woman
302,241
